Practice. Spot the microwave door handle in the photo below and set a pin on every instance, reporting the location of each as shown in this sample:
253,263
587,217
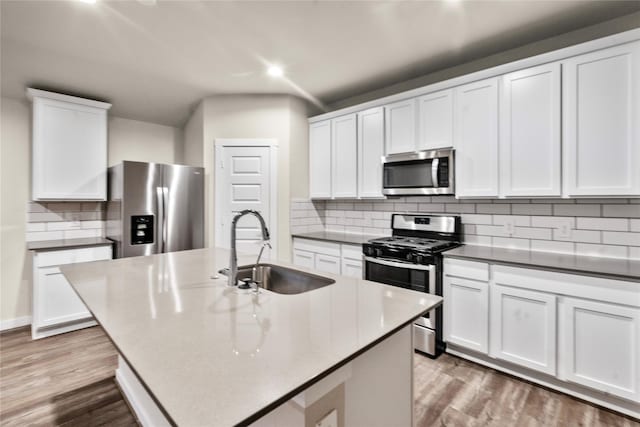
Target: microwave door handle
434,172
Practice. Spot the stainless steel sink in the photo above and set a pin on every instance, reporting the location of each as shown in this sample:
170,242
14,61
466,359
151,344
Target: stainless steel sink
283,280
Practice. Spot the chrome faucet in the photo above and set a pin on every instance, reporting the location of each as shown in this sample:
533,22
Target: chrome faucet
233,261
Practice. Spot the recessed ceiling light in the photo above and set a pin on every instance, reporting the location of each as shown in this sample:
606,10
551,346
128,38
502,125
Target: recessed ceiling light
88,1
275,71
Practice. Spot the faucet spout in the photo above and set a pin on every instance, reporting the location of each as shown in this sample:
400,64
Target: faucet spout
233,256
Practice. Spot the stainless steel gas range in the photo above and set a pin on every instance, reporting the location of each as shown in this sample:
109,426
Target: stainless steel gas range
412,258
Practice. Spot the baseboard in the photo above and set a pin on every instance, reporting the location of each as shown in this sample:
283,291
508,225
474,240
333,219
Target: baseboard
17,322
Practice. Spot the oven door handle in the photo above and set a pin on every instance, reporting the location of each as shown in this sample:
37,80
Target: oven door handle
430,268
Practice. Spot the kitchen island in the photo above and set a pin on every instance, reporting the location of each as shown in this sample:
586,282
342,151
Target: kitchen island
195,351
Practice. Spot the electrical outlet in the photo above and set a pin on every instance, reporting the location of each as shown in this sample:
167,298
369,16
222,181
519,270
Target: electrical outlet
563,230
509,226
75,220
329,420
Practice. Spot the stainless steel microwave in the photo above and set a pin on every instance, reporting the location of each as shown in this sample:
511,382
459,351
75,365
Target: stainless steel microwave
419,173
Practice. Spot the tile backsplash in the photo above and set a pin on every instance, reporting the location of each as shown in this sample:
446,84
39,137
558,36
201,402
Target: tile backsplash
64,220
599,227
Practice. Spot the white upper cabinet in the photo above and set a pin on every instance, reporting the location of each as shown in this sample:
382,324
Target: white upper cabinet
370,152
69,147
601,121
400,127
344,163
476,139
320,160
435,120
530,132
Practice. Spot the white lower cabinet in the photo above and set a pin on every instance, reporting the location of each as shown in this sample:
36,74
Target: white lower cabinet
304,258
328,263
466,313
328,257
575,333
523,328
600,346
56,306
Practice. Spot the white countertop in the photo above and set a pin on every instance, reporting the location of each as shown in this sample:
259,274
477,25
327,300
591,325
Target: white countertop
214,355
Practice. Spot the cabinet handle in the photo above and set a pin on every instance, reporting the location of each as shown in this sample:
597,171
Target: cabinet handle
51,274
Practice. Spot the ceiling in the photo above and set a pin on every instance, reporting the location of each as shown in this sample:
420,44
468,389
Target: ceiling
154,60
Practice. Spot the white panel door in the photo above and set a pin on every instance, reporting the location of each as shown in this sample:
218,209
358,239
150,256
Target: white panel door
466,313
400,127
58,301
320,160
344,152
370,152
247,174
304,259
328,263
69,151
523,328
601,346
476,139
530,132
601,122
435,120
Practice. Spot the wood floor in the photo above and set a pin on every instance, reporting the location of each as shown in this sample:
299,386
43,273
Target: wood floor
68,380
451,391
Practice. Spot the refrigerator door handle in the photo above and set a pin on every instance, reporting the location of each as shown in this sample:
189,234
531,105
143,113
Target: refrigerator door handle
165,223
160,219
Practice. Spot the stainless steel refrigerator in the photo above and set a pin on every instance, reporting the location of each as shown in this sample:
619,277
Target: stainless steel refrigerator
155,208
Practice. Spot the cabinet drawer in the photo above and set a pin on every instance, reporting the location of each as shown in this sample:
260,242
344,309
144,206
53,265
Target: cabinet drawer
467,269
328,264
317,246
353,252
70,256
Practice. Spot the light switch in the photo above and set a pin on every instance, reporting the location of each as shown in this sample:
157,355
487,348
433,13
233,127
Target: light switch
329,420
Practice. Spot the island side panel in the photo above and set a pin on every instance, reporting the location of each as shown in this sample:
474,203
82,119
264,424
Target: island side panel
380,390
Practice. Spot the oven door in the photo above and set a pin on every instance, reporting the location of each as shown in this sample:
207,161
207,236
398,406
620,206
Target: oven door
421,278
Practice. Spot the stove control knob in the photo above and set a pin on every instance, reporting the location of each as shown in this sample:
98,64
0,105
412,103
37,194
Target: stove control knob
368,251
378,252
419,259
409,257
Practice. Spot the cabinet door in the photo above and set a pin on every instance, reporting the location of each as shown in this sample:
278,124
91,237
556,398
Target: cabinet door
530,132
435,120
601,122
304,259
344,162
351,267
69,151
523,328
370,152
476,139
601,346
400,127
58,302
320,160
466,313
328,263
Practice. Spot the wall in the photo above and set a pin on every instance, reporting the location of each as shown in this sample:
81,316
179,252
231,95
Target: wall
22,221
593,32
282,117
15,134
599,227
143,141
194,138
